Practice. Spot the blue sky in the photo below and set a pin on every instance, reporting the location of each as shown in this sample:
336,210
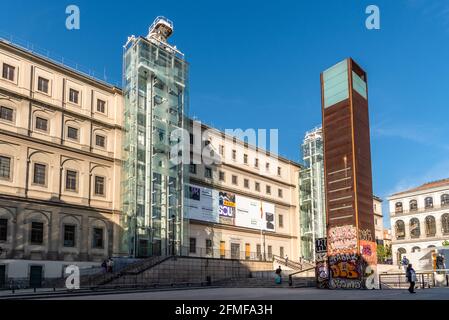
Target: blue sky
257,65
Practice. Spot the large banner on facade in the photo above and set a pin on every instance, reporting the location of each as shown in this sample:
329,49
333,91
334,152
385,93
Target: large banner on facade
254,214
206,204
226,207
201,203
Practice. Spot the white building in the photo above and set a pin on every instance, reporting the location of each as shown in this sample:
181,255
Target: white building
419,218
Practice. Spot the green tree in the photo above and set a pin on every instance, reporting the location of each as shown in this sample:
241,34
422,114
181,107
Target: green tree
381,253
445,243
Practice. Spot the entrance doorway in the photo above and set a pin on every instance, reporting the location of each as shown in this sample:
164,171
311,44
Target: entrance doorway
36,276
143,248
235,251
157,248
2,276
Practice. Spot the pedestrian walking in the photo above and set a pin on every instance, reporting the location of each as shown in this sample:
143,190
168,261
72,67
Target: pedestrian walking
104,266
110,265
411,277
278,279
286,260
405,263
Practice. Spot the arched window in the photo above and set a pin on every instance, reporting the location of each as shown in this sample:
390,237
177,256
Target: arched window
415,230
428,202
431,246
445,200
400,253
398,207
431,228
445,223
413,205
416,249
400,230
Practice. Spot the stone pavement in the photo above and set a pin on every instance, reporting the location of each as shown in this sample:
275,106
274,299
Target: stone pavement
272,294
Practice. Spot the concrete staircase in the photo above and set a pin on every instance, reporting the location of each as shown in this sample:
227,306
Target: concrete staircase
265,283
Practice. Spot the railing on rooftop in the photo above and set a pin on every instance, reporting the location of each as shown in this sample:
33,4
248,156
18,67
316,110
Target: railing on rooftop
57,59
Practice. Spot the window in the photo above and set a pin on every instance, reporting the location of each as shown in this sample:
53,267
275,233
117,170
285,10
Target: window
192,246
270,252
39,176
280,193
400,230
398,207
268,189
281,221
191,138
279,171
69,236
74,96
431,228
100,140
428,202
413,205
281,252
206,143
375,221
37,233
6,113
256,163
42,84
208,246
222,150
234,180
72,133
259,251
445,223
192,168
267,166
101,106
8,72
41,124
208,173
245,159
5,167
415,230
445,200
234,155
99,186
416,249
3,229
70,180
246,183
257,186
97,241
221,176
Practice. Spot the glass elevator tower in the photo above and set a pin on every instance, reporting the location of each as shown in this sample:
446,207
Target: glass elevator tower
156,104
311,192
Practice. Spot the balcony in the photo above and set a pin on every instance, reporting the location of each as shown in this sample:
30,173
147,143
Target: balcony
420,210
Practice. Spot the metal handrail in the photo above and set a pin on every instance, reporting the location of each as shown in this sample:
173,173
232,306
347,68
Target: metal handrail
290,277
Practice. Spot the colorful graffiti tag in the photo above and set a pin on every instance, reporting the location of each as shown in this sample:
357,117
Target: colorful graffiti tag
321,265
342,239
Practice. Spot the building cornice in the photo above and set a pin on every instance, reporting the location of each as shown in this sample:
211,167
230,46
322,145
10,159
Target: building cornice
241,229
58,204
59,146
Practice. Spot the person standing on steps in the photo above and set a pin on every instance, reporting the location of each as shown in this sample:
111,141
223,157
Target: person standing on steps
286,260
411,277
278,278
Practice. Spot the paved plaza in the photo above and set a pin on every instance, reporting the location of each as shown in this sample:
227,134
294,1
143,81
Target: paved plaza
270,294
